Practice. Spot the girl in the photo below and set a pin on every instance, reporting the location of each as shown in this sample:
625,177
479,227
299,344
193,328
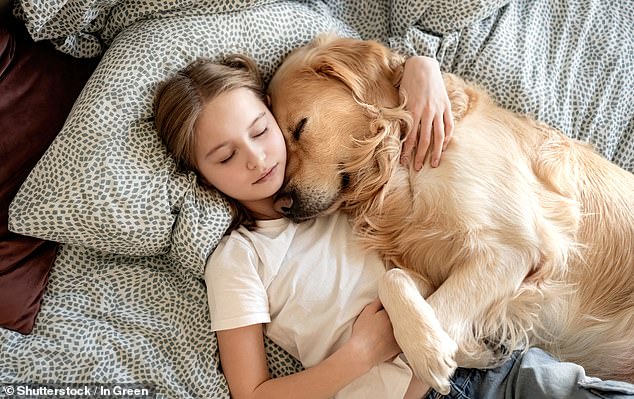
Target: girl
308,286
302,285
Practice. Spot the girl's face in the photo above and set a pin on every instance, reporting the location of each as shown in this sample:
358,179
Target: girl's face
240,149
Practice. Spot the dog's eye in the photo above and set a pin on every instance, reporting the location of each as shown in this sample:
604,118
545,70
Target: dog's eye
299,129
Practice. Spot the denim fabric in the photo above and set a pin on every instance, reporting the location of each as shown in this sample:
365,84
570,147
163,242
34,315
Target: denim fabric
533,375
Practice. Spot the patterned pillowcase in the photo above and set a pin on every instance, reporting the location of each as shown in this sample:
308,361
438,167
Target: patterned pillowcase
84,28
449,16
439,16
107,182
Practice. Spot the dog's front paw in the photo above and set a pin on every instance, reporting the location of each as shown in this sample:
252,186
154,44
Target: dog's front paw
427,346
433,359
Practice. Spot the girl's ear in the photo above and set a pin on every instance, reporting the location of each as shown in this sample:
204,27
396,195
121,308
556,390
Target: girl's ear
267,100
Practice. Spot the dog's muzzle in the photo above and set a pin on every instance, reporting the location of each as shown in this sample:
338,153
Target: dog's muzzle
283,204
289,204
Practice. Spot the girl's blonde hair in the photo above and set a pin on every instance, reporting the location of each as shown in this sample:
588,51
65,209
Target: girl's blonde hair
181,99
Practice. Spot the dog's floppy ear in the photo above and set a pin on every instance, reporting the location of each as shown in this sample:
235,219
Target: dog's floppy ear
367,68
372,73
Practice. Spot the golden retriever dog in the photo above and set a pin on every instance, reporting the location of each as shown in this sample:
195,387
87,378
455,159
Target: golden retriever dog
520,237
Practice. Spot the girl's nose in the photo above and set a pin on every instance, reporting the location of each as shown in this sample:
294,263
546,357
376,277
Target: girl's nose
256,158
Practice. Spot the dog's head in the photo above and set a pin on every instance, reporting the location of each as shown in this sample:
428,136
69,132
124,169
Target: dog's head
337,104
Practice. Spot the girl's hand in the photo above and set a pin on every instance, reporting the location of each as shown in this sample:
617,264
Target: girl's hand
428,102
373,336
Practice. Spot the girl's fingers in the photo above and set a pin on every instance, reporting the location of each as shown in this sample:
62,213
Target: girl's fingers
424,140
373,307
439,141
449,126
410,141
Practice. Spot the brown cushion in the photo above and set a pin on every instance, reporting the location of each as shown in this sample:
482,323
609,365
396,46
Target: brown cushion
39,86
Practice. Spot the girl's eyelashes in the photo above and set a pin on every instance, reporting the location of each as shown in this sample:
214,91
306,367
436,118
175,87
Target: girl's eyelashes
262,132
230,156
227,159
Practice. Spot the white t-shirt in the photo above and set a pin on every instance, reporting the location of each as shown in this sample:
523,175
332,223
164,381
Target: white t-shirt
306,283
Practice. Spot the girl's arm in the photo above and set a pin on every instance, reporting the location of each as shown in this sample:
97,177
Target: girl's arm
244,364
429,104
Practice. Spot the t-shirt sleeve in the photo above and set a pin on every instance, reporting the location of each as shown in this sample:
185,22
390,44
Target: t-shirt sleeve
235,293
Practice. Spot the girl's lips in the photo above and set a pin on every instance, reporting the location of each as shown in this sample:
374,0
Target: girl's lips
266,175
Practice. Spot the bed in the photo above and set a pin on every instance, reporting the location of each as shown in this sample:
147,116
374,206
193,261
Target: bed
124,301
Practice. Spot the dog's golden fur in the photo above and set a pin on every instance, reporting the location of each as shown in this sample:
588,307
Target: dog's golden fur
521,237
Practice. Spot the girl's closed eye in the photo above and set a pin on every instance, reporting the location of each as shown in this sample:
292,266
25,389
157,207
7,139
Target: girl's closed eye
227,158
266,129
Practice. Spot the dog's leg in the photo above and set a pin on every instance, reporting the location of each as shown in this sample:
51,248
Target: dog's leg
428,348
471,307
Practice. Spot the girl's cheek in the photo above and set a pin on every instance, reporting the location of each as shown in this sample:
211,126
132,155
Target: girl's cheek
281,142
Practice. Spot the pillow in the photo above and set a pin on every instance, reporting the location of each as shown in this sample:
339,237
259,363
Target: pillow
33,106
447,16
107,182
86,28
433,28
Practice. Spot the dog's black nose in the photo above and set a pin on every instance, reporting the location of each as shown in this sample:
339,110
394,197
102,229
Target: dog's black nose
283,204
